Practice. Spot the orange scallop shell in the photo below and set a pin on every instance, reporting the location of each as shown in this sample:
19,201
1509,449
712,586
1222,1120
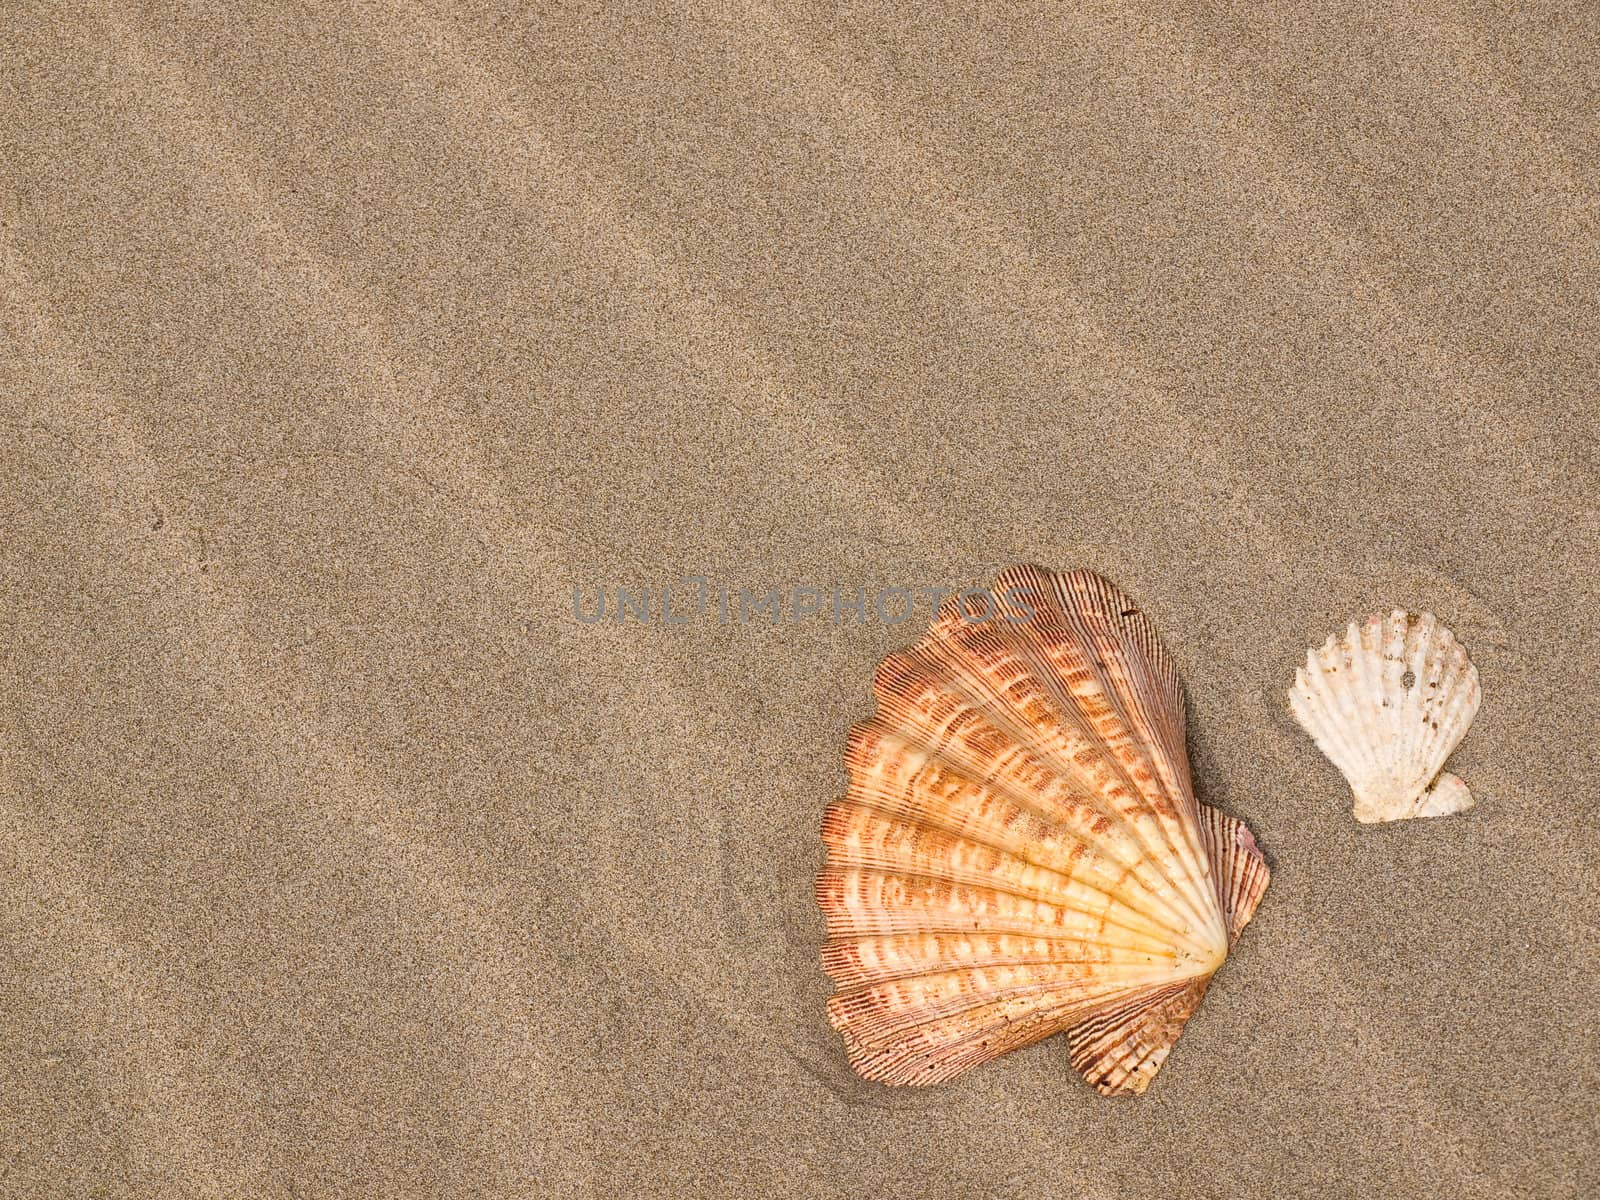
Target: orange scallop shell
1020,852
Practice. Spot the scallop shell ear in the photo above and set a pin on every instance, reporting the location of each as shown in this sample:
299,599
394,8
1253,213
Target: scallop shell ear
1020,852
1120,1052
1387,702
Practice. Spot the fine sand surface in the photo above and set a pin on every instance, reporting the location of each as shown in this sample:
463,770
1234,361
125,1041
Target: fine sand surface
338,859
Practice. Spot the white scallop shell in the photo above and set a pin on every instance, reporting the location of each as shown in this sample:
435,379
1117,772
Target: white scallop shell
1387,702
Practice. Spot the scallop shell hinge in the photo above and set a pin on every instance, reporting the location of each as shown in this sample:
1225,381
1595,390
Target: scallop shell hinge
1387,702
1020,851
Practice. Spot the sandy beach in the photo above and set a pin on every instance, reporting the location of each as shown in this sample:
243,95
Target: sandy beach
343,855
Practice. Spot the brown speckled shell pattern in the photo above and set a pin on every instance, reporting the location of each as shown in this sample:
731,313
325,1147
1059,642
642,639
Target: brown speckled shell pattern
1020,852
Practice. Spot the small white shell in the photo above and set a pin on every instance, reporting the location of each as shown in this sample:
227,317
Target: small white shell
1387,702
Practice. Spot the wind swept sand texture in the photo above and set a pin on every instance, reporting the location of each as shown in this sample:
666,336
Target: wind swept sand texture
339,345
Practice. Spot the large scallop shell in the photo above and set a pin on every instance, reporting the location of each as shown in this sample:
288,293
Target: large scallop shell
1388,701
1020,851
